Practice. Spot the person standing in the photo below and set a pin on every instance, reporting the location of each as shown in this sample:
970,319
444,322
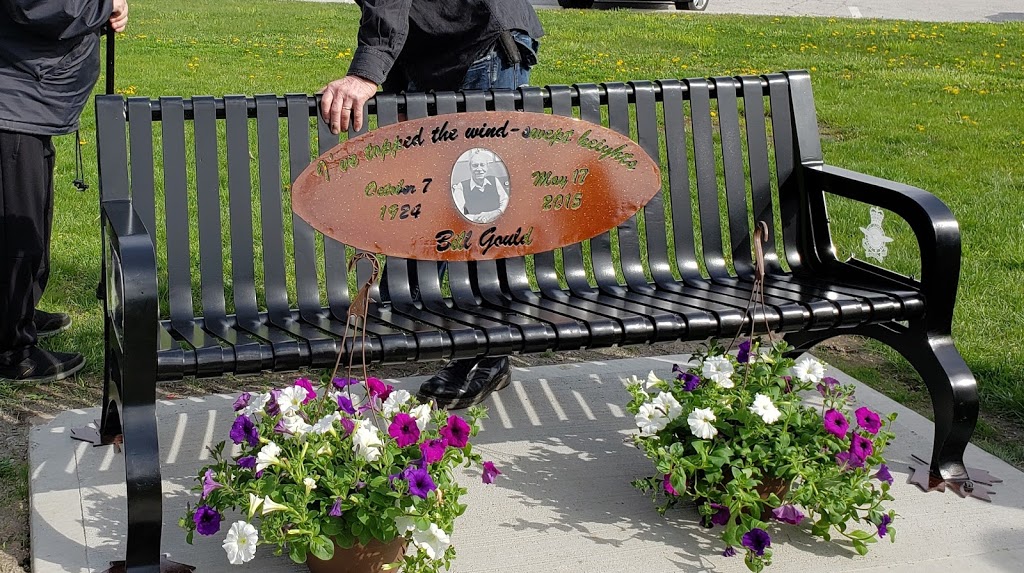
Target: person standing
424,45
49,63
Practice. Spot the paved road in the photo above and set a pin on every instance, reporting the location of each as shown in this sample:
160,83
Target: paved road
929,10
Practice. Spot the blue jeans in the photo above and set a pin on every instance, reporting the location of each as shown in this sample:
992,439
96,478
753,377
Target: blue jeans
494,71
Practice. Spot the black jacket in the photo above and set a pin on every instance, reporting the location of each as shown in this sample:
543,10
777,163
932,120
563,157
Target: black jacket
49,62
433,42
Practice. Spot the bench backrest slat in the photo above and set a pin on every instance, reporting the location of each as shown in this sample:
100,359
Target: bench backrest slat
676,157
720,169
600,246
140,125
307,284
335,265
268,142
208,203
619,120
735,180
573,267
240,207
179,272
785,163
707,182
649,137
757,156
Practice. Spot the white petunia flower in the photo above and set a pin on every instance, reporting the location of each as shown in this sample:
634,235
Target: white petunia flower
325,424
652,379
395,401
296,425
267,456
270,506
257,402
290,399
366,442
310,484
422,415
254,504
719,370
434,541
650,419
809,370
240,543
325,450
668,404
764,407
700,423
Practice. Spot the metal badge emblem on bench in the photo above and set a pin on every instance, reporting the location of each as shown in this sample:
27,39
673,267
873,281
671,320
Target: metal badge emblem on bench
476,185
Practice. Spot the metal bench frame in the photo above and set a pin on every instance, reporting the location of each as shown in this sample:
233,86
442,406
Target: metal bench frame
672,283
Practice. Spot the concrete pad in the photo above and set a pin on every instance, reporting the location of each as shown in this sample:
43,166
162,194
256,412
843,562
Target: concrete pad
563,504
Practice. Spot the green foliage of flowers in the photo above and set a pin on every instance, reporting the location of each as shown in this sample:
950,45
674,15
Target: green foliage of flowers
345,463
735,434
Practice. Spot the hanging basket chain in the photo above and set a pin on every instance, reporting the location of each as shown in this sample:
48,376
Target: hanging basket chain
757,289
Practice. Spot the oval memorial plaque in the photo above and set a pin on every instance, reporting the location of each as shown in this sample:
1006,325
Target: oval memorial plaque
475,185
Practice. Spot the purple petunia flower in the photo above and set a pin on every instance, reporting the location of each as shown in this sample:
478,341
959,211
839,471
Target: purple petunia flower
861,447
757,540
404,430
729,551
335,509
244,430
242,401
247,462
883,474
310,393
378,388
342,383
666,483
345,405
490,472
868,420
883,527
207,520
789,384
209,484
722,514
690,381
280,428
836,424
433,450
272,408
456,432
826,385
348,425
788,514
849,460
420,483
743,354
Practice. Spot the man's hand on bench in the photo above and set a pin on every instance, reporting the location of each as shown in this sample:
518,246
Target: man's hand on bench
345,97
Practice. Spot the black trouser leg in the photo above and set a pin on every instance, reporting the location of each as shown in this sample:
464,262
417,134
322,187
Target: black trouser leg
26,213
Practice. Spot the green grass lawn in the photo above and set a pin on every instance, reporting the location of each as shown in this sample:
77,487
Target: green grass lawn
938,106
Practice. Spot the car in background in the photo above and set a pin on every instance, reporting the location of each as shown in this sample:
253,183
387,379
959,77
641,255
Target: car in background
698,5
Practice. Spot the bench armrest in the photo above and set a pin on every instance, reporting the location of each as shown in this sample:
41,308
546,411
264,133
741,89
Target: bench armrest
936,229
131,291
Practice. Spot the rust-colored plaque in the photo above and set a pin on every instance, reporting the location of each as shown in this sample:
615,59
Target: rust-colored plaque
475,185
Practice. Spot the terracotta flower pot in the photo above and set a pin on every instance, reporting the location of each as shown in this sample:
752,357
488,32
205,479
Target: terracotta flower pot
778,486
360,558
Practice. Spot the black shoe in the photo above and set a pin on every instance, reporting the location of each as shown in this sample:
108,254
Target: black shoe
50,323
43,366
453,389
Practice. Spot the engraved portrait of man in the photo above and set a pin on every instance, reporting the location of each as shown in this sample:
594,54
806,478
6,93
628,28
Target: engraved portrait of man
480,186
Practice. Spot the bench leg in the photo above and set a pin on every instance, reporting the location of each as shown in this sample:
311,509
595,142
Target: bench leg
954,394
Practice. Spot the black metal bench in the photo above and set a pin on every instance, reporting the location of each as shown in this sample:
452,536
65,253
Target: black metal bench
176,212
